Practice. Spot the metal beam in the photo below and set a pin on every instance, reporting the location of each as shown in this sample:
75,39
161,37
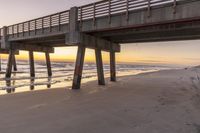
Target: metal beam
78,67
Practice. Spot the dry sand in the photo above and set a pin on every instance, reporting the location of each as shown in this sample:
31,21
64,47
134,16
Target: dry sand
160,102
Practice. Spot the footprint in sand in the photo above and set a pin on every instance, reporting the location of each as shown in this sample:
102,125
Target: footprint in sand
37,106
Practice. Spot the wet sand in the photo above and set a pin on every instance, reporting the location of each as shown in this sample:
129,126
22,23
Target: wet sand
159,102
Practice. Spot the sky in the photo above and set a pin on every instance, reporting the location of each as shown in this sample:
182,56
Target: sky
180,53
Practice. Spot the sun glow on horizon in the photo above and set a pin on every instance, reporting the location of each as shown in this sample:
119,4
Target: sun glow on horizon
179,53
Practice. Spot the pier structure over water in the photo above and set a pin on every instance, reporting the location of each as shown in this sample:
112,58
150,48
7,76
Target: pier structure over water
103,26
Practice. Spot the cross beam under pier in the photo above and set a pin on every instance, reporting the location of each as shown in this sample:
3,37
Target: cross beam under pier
93,42
29,47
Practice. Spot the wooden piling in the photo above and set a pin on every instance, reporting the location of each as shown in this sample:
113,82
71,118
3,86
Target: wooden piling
112,66
99,63
78,67
0,63
32,81
48,63
9,64
14,63
31,63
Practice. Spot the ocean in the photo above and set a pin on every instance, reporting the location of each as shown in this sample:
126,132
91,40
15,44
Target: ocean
62,75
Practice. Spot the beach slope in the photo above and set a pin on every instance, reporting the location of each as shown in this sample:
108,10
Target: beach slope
159,102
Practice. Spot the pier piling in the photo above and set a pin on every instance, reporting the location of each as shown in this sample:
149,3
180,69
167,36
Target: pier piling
78,67
48,63
14,63
0,63
9,64
112,66
31,63
99,64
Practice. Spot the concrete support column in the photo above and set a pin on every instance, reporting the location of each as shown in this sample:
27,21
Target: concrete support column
31,63
74,36
9,64
112,66
78,67
48,62
14,63
99,64
4,38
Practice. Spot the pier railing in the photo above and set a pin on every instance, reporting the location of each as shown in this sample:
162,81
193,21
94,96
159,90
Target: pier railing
42,23
90,11
110,7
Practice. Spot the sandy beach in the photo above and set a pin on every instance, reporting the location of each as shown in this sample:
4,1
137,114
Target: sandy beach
167,101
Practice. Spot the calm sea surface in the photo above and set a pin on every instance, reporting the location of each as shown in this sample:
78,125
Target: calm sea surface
62,75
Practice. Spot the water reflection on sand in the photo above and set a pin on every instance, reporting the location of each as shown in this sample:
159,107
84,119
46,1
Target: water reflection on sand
62,75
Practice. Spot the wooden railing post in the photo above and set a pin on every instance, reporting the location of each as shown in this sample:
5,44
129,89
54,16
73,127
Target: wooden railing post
94,14
59,21
149,8
35,26
50,23
42,25
174,6
109,11
29,33
127,10
12,30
